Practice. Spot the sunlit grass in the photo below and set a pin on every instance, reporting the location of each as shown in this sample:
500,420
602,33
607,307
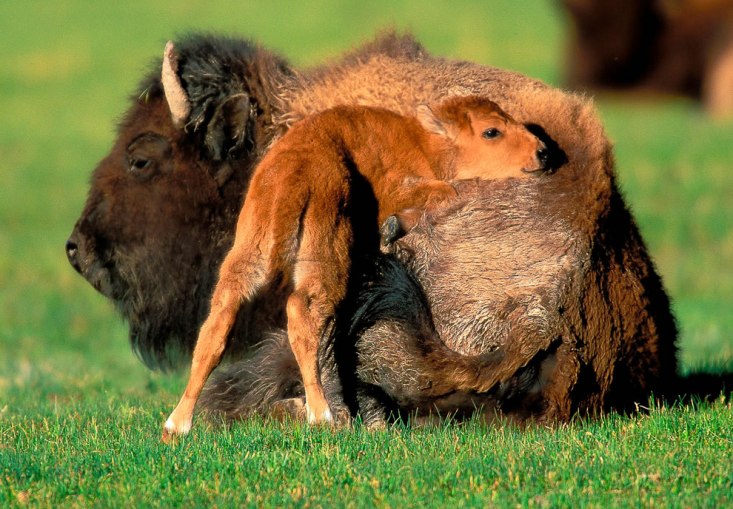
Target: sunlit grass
101,449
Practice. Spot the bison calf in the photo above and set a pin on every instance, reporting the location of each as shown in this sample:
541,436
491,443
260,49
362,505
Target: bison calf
303,218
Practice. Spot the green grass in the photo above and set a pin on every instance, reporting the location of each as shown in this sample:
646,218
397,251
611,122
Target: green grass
91,450
79,414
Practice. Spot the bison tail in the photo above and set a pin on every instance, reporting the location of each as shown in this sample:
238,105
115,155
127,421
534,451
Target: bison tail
255,385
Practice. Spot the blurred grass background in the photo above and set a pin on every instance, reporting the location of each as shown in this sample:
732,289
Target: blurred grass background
69,66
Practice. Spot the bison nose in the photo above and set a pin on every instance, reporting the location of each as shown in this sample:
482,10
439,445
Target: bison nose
543,156
72,253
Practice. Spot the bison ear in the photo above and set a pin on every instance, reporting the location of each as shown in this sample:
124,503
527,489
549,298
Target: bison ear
230,132
429,121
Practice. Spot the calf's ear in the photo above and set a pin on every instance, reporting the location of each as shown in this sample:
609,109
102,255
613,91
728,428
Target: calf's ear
429,121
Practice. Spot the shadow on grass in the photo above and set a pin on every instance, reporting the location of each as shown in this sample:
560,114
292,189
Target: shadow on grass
704,386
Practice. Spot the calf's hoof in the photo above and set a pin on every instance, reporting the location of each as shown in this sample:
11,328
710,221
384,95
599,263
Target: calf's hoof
391,230
173,430
319,415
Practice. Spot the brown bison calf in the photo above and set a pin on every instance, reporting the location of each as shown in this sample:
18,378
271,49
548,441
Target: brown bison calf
299,224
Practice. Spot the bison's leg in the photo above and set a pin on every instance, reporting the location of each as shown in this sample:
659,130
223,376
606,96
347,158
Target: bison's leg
237,280
245,270
206,356
424,197
320,278
307,314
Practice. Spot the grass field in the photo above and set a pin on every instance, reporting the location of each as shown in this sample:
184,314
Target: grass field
79,414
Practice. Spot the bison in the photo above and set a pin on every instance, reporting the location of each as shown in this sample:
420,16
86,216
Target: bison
674,47
551,275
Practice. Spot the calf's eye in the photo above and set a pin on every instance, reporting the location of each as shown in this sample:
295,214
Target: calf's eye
491,133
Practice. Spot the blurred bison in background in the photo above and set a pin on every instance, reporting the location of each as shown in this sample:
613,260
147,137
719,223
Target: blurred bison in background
669,46
550,275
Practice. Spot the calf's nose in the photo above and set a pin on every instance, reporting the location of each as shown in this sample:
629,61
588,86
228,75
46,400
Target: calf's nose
72,253
543,156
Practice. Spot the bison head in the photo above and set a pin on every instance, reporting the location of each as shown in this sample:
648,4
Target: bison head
176,175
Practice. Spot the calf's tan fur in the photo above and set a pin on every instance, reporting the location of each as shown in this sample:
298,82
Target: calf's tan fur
297,225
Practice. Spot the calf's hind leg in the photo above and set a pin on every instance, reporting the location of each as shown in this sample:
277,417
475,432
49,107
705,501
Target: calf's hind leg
319,284
209,349
306,322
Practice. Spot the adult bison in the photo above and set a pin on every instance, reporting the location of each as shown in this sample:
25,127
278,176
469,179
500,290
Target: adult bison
550,275
673,47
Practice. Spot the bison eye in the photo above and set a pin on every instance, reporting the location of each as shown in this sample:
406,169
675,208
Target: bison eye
491,133
147,155
139,164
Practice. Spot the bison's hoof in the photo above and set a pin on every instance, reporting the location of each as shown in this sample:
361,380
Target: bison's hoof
168,437
171,430
319,416
391,230
291,408
376,425
342,418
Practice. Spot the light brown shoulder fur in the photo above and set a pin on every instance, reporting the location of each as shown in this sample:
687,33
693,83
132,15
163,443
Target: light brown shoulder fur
584,293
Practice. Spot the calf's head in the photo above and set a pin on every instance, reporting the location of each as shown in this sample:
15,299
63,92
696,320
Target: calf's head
490,143
162,203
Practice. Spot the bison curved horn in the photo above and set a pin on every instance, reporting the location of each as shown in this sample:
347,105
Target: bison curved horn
174,93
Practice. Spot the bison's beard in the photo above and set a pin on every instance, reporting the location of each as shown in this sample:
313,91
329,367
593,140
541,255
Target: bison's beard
100,277
164,299
160,286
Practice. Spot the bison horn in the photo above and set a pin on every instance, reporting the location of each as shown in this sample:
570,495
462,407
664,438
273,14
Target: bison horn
174,93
